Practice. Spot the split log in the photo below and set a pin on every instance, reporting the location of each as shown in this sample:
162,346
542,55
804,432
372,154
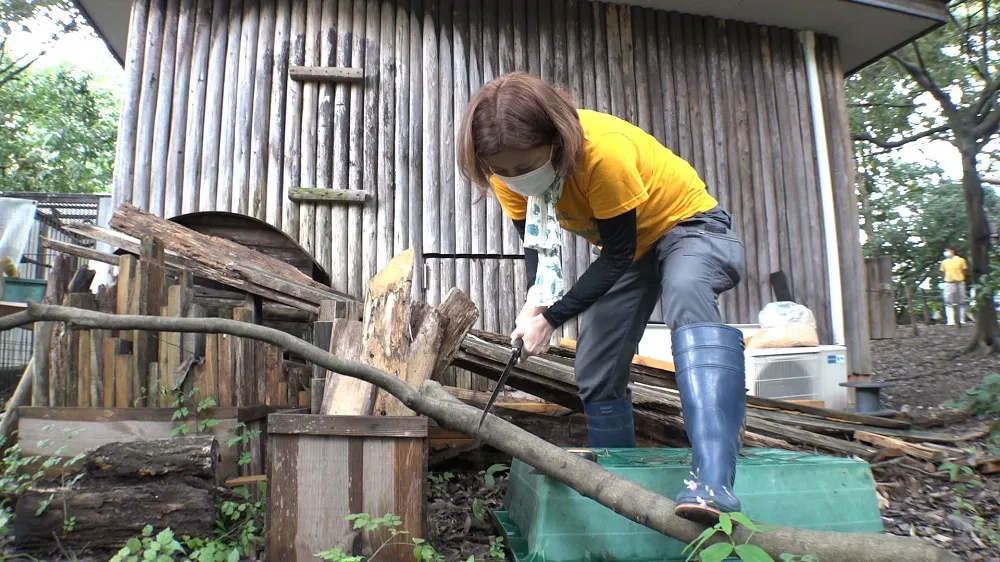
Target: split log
626,498
386,329
169,482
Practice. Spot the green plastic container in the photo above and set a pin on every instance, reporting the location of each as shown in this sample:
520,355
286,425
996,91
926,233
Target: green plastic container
22,290
546,521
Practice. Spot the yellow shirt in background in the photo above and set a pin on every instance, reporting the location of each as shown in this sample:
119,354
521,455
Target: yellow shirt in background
621,168
954,269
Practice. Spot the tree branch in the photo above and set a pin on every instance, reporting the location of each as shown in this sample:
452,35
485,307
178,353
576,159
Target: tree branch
971,53
6,77
920,74
990,181
889,145
988,127
588,478
890,105
986,98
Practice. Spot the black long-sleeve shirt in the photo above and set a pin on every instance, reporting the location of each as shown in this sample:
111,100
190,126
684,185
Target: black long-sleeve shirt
618,246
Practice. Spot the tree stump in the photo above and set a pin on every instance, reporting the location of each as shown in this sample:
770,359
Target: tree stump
125,486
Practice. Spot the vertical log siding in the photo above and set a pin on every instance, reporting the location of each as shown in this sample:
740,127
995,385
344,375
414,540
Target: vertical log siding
211,122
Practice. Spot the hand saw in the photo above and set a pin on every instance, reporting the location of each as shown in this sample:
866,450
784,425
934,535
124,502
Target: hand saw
503,378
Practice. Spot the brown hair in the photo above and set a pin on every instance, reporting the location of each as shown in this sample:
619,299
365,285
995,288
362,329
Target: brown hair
517,111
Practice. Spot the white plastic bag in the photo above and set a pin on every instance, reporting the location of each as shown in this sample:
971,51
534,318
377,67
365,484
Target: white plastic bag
17,216
785,324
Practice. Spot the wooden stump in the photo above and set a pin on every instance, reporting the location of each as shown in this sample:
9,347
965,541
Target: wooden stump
125,486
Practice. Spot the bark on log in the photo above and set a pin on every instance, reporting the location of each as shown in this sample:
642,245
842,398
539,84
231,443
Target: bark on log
125,486
589,479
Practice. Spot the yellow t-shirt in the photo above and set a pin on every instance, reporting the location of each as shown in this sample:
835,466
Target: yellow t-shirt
954,269
621,168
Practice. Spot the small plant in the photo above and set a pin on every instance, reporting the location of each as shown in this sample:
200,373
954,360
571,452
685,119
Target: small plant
160,548
497,551
422,550
722,550
489,475
439,482
478,510
953,470
183,404
982,399
243,438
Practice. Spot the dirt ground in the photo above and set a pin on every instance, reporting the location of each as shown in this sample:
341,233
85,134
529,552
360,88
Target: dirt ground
928,369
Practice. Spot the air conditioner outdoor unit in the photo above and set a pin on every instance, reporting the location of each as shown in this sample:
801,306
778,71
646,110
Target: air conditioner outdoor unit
802,373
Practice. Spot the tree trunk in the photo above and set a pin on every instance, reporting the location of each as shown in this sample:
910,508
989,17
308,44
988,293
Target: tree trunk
125,486
987,329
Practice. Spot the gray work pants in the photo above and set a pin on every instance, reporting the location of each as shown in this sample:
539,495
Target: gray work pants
691,265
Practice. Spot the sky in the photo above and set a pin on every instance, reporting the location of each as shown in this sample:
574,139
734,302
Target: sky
86,50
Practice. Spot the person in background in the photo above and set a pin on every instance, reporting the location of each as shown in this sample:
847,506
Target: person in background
954,269
661,235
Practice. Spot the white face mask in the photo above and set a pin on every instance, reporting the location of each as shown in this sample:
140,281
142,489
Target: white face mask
534,183
948,254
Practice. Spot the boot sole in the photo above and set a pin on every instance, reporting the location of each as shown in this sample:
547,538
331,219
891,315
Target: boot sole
704,515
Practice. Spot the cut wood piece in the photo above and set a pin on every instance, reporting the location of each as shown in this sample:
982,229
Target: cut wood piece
891,444
989,465
384,336
460,314
345,344
290,287
321,195
149,283
422,356
325,74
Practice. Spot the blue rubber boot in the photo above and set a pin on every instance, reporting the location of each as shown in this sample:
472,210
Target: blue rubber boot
711,377
610,423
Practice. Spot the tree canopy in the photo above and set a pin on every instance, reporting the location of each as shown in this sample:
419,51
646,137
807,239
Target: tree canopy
57,132
25,15
942,86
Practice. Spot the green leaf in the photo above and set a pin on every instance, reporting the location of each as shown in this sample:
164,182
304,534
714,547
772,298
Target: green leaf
752,553
726,523
745,522
717,552
234,555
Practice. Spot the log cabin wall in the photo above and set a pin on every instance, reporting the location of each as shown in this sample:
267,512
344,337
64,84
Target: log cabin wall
212,121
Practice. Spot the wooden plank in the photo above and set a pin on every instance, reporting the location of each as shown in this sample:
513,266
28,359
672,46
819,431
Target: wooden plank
116,414
293,288
347,426
124,165
356,148
196,110
108,396
208,163
340,257
80,251
386,131
151,154
245,480
902,447
326,74
123,381
225,377
206,375
401,133
274,370
310,129
173,178
292,160
283,510
83,364
367,250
